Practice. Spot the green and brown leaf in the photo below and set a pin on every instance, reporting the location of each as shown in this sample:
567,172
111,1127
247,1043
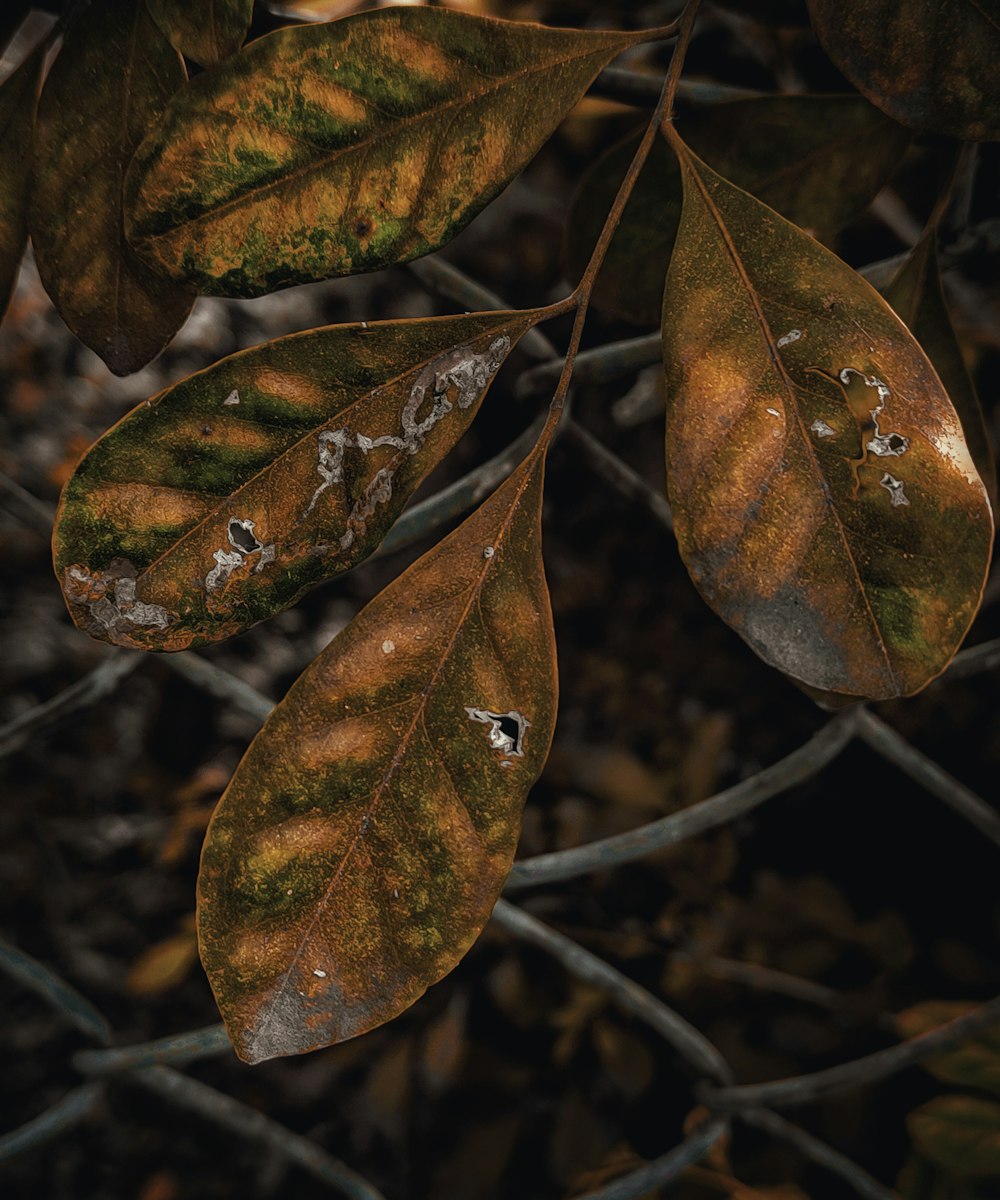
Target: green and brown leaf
366,835
221,501
206,32
929,65
960,1134
824,498
90,120
324,150
817,160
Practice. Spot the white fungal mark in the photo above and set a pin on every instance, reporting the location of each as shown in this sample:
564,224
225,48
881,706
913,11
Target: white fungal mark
488,552
456,377
774,412
388,646
244,542
506,730
786,339
395,893
120,609
895,489
319,974
232,398
890,445
821,429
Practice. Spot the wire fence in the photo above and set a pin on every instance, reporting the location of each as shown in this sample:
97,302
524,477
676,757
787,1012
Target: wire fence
158,1066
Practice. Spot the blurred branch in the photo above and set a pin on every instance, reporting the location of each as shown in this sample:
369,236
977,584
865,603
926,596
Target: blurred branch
58,994
689,1043
626,482
972,661
600,365
177,1051
34,513
896,749
803,1089
254,1126
643,90
819,1152
74,1108
219,683
91,688
665,1169
802,764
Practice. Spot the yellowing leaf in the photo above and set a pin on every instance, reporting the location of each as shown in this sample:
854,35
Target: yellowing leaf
916,295
928,64
109,84
221,501
959,1133
824,499
206,31
323,150
164,965
367,832
817,160
18,96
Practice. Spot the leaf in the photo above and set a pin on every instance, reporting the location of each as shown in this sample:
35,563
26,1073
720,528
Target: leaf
206,32
366,834
323,150
824,500
91,116
959,1133
817,160
18,96
221,501
164,965
974,1063
929,65
917,297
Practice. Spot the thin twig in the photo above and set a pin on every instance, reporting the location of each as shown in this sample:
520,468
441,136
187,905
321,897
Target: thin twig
253,1125
619,474
819,1152
91,688
802,764
35,513
884,740
642,91
600,365
55,991
74,1108
665,1169
219,683
971,661
803,1089
690,1043
175,1051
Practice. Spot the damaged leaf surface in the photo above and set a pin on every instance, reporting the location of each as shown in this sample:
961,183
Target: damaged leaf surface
917,297
366,835
324,150
824,498
18,97
221,501
90,119
206,32
817,160
930,65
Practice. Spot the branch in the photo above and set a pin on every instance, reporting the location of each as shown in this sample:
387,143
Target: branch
802,764
58,994
255,1126
663,1170
803,1089
176,1051
689,1043
74,1108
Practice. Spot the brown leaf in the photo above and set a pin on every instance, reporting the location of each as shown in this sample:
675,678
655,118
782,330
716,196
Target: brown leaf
91,117
366,835
164,965
974,1063
930,65
916,295
206,32
329,149
18,97
224,499
824,499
